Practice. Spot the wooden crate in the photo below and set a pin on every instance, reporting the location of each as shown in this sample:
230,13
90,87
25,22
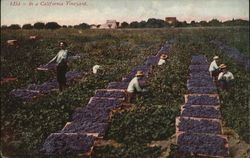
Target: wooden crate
177,122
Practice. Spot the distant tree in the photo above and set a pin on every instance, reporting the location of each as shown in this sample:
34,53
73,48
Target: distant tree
134,24
82,26
14,26
70,26
214,22
156,23
180,24
39,25
142,24
240,22
52,25
64,26
203,23
124,25
27,26
4,27
193,23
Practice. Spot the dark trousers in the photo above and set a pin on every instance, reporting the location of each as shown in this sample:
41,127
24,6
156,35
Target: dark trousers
61,71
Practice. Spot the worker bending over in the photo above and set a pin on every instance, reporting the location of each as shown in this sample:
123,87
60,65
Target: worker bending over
225,78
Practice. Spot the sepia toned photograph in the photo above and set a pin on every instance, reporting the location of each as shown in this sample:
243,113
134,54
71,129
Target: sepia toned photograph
125,79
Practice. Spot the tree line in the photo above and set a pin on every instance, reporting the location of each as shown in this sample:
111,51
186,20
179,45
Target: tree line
150,23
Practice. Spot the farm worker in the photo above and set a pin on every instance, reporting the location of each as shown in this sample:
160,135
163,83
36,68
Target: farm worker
133,86
214,68
97,69
225,78
62,67
162,59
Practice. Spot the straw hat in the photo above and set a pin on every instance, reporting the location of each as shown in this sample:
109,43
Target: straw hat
163,56
63,43
139,73
216,57
223,66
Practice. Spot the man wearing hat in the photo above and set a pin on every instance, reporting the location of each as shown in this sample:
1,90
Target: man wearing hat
62,67
213,68
133,86
225,78
162,59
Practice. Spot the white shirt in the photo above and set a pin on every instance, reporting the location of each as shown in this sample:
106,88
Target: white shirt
95,68
161,61
213,66
228,76
134,85
62,54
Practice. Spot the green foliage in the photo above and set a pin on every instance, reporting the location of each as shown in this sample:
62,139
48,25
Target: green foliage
52,25
27,26
39,25
14,26
26,124
126,151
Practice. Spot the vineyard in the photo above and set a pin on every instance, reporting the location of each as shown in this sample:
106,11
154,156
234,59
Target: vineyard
90,115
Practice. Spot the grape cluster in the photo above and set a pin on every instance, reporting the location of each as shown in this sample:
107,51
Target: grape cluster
199,126
85,127
199,60
109,93
118,85
24,93
201,112
60,142
200,83
212,145
152,60
198,68
164,50
92,115
202,100
200,75
202,90
44,88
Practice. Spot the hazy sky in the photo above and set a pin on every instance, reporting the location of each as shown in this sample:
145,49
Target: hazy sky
98,11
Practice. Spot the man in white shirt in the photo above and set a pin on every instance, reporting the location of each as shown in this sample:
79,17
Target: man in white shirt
96,69
133,86
62,67
225,78
162,59
214,68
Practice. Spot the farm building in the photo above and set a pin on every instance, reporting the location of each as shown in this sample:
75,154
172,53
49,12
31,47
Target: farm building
110,24
170,19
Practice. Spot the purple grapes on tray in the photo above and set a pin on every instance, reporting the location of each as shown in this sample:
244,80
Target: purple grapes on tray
211,145
85,127
61,142
201,112
91,115
192,125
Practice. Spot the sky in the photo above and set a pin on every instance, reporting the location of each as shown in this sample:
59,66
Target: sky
73,12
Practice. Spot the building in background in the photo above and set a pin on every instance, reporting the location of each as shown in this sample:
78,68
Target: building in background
110,24
170,20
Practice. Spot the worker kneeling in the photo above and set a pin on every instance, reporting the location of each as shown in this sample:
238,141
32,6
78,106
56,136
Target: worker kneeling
134,86
225,78
97,69
162,59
